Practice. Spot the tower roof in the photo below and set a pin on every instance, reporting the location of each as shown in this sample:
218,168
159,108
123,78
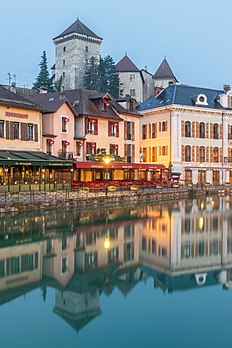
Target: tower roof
164,71
80,28
126,65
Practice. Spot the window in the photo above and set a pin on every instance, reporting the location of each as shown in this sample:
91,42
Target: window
144,244
187,153
128,126
132,77
30,132
154,130
154,154
187,250
128,232
91,238
63,74
64,244
113,149
2,268
113,255
64,265
187,225
144,131
16,130
128,251
202,130
202,154
86,48
1,129
132,92
90,148
64,49
201,248
113,129
216,131
144,154
215,155
91,260
153,246
188,129
78,148
215,247
64,126
164,150
92,126
164,126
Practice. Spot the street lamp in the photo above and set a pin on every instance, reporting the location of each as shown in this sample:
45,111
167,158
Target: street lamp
106,159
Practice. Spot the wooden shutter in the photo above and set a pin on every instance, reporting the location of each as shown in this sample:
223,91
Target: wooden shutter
133,153
229,131
125,130
207,153
125,151
193,153
149,131
117,130
7,130
211,130
133,130
197,130
11,130
87,148
94,145
159,126
36,132
24,131
211,154
193,129
96,127
197,153
220,131
182,155
109,128
182,128
220,154
207,130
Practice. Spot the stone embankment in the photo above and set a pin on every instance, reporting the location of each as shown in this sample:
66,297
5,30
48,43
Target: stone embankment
29,201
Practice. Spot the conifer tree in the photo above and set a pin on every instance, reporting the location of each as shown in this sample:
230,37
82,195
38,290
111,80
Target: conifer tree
43,79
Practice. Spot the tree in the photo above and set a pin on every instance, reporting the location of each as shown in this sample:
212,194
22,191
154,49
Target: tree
43,79
58,84
102,76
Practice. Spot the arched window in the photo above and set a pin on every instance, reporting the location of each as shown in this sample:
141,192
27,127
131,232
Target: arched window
144,131
188,129
187,153
215,155
216,131
202,154
202,130
164,126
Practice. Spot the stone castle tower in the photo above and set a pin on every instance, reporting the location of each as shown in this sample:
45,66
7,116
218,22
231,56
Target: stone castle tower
74,47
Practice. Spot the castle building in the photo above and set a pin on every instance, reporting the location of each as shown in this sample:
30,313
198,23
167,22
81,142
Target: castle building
189,128
74,47
134,82
163,77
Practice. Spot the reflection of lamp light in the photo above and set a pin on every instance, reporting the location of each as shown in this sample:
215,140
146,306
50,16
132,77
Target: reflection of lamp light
202,205
212,203
201,223
201,166
107,243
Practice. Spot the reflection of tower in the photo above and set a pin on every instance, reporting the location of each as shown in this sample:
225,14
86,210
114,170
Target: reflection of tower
77,309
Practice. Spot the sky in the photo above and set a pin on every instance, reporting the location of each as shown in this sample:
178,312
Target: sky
193,35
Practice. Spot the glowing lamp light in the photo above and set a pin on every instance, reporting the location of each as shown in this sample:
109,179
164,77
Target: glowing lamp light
201,223
107,243
107,160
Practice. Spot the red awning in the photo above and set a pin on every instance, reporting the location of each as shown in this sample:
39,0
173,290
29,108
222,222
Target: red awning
101,165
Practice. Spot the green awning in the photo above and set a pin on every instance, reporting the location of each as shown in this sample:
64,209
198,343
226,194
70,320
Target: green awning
26,158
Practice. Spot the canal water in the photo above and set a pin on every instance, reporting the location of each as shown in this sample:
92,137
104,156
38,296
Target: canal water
135,276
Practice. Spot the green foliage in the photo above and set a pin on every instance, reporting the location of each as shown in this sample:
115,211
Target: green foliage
58,84
43,79
102,76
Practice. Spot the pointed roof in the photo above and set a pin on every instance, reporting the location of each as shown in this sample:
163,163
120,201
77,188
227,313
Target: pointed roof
164,71
126,65
79,28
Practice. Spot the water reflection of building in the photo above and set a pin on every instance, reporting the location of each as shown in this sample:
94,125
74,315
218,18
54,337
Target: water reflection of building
181,245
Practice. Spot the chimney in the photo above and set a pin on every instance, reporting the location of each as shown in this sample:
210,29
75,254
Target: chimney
13,87
226,88
43,90
157,90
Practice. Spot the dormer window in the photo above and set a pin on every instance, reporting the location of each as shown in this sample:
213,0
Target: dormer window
201,99
103,104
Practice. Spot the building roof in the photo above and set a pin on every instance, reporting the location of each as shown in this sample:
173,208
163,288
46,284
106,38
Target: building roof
126,65
182,95
9,98
79,28
83,102
164,71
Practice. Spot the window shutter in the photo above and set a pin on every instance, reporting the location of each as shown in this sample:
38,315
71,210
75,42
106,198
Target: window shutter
96,127
87,148
133,153
193,153
94,148
220,131
23,131
117,130
220,154
125,130
149,130
229,130
211,130
207,154
11,130
109,129
36,132
182,156
182,128
193,129
197,130
198,153
125,151
7,130
159,126
211,154
133,130
207,130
